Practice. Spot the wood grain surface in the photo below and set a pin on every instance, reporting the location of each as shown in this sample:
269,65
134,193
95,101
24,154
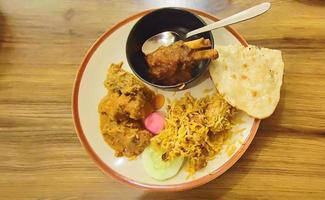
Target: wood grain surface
41,46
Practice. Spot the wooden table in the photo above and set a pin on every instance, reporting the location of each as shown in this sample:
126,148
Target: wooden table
41,46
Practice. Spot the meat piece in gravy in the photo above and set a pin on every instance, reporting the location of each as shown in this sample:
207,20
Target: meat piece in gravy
165,61
173,64
122,110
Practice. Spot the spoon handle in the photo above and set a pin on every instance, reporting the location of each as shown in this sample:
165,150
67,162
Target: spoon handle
241,16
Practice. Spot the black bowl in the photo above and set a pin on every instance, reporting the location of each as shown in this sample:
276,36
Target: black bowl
157,21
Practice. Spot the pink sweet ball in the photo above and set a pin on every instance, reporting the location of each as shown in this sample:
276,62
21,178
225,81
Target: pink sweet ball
155,122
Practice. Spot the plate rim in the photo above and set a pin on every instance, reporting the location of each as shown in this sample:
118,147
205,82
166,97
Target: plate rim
109,171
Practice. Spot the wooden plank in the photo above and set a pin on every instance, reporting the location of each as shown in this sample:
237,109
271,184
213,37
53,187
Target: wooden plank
41,47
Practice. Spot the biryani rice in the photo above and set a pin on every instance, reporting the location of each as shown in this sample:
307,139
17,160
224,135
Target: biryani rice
195,129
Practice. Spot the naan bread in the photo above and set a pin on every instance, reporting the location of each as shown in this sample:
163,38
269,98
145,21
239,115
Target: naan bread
249,78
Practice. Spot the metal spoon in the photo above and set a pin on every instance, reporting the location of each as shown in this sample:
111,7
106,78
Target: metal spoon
168,37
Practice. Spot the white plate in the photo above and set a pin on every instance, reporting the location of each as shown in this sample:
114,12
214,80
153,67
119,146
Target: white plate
89,89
